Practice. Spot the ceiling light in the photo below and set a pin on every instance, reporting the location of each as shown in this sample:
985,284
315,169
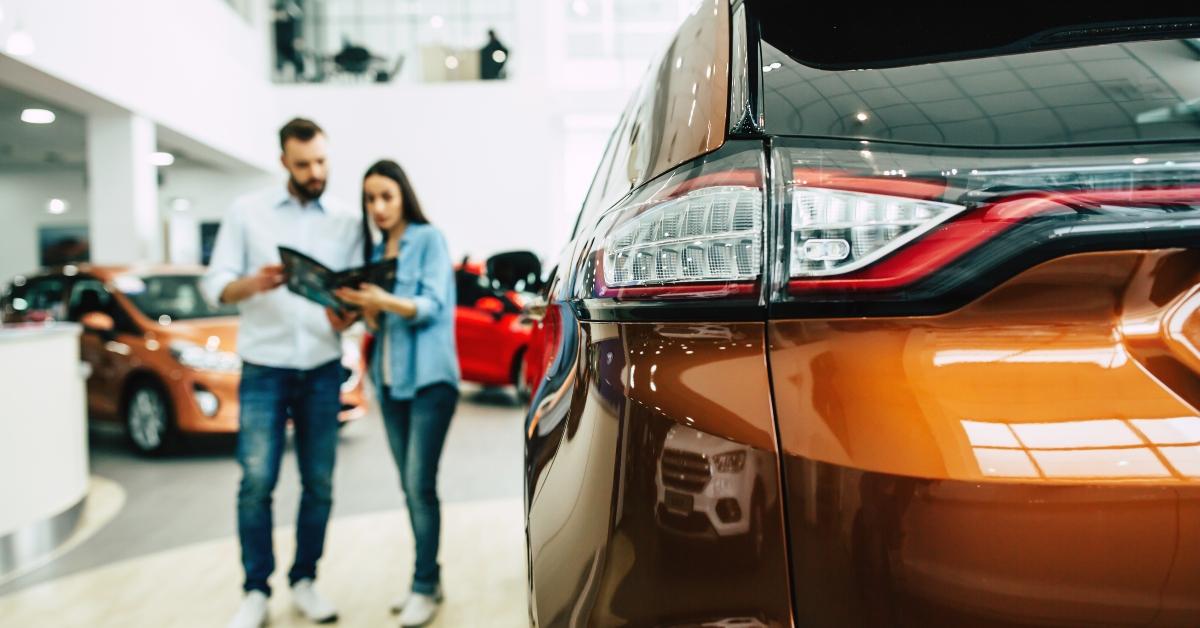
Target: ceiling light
162,159
37,116
57,206
20,44
452,62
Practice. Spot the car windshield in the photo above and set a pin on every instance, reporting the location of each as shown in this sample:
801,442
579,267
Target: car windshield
174,296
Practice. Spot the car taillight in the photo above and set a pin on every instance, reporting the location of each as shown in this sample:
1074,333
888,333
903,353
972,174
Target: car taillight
929,229
708,235
835,231
696,233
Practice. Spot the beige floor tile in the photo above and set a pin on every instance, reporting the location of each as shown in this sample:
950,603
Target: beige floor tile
368,561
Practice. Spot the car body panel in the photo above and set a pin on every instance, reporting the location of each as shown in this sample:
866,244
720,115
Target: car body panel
602,554
1018,461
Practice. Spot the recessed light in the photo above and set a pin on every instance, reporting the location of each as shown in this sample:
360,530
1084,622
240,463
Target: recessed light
37,116
162,159
57,206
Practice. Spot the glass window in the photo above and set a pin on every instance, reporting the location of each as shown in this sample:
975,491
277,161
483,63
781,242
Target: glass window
87,296
174,296
1118,92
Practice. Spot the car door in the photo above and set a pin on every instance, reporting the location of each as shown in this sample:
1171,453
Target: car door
101,350
475,329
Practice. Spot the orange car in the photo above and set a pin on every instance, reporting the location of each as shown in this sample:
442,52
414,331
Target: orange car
163,361
883,323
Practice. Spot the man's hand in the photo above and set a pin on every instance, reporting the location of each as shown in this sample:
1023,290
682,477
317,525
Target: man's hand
266,279
340,322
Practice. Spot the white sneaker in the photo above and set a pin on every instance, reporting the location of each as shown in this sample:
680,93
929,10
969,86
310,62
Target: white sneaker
400,602
420,609
252,613
310,603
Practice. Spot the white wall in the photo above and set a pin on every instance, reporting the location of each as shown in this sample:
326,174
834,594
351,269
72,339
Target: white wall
484,158
24,196
193,66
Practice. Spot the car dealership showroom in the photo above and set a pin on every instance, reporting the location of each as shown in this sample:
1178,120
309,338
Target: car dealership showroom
663,313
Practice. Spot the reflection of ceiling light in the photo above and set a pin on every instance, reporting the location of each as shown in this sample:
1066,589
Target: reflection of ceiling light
452,62
57,206
861,117
162,159
581,8
20,44
437,21
1140,160
37,116
181,204
499,56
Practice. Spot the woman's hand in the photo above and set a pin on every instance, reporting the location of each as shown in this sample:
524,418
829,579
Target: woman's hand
340,322
371,297
368,296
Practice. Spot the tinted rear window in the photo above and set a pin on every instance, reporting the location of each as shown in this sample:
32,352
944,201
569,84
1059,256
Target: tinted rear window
1139,91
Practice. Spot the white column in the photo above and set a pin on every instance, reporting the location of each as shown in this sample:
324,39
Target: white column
124,223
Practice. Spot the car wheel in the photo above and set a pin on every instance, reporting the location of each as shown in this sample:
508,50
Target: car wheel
524,393
148,420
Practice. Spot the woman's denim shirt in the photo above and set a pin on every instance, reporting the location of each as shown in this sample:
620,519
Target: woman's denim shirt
422,350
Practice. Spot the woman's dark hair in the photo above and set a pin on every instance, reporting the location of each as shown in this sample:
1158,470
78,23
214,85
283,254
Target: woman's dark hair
410,207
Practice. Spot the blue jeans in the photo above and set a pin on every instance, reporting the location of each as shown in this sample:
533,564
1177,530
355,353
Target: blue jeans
416,431
268,397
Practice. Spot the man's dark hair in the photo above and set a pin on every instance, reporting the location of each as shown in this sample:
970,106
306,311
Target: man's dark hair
301,129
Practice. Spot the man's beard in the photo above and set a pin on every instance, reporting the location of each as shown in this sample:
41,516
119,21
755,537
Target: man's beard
306,193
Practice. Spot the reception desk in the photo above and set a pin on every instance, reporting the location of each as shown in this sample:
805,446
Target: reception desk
43,440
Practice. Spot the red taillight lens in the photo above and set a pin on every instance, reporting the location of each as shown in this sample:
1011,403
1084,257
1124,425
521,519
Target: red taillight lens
911,226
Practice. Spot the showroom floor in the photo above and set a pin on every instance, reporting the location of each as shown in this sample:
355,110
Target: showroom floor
160,550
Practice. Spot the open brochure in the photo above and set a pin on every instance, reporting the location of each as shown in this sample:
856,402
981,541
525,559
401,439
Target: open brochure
314,281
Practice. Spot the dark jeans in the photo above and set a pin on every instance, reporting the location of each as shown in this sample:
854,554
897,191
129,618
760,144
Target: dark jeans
416,432
268,397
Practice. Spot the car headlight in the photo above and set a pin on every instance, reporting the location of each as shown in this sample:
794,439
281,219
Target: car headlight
200,358
732,462
208,402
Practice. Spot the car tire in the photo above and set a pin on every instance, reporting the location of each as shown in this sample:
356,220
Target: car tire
524,393
149,425
751,544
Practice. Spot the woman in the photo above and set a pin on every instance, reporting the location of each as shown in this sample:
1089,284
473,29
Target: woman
414,364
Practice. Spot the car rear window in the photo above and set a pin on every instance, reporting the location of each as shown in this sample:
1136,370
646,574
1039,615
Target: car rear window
1133,91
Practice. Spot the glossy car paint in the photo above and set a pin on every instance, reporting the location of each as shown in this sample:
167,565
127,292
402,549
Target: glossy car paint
1031,458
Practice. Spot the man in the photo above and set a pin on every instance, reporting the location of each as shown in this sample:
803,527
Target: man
291,355
492,58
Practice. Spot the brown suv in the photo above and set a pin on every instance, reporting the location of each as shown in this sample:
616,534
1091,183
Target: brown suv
163,362
846,337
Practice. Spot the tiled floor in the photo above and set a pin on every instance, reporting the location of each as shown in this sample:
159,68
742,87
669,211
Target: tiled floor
169,557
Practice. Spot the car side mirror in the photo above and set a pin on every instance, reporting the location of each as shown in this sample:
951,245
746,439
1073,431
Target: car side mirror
491,305
98,322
